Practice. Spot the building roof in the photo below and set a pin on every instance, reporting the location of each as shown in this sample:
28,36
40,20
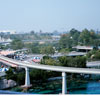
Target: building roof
83,47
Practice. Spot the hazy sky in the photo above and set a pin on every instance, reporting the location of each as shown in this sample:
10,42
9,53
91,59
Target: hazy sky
49,15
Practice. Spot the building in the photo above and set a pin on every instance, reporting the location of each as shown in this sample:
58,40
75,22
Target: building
83,48
56,37
8,32
4,41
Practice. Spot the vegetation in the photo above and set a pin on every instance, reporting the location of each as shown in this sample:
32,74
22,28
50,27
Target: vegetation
49,61
65,50
38,75
94,55
33,47
10,74
17,44
16,76
73,62
0,78
79,62
74,37
25,36
49,50
65,61
17,89
64,45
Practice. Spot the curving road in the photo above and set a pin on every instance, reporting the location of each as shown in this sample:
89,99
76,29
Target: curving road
93,64
52,68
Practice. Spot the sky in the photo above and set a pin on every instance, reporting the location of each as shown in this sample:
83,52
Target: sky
49,15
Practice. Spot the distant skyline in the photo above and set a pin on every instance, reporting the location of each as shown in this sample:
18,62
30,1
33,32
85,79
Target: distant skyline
49,15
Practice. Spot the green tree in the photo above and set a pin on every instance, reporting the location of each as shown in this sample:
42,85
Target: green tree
20,78
89,38
65,41
93,55
10,74
46,60
74,35
36,75
73,62
70,39
73,32
17,44
0,78
96,43
85,37
16,76
48,50
33,47
1,46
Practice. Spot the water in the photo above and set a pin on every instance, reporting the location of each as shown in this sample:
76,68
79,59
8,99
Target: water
11,92
86,88
73,87
91,88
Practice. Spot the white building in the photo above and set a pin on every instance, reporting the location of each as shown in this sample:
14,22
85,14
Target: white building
5,40
8,32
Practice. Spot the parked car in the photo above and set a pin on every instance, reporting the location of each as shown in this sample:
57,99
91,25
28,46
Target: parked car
36,59
3,69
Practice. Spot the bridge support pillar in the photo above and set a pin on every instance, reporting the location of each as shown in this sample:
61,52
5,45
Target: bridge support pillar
64,85
27,77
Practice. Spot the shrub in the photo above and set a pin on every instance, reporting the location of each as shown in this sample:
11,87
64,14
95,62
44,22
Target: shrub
10,75
49,61
36,74
20,78
94,55
73,62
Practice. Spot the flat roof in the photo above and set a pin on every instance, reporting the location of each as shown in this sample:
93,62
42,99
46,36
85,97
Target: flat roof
74,53
83,47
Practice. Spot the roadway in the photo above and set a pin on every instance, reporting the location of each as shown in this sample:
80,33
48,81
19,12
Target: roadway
93,64
52,68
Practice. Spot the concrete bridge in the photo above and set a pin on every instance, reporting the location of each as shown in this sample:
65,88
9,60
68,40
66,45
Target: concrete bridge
47,67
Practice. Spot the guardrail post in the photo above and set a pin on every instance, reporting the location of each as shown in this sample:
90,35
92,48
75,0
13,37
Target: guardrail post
27,77
64,86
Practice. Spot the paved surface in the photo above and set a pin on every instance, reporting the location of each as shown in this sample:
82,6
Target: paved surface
93,64
89,64
30,58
